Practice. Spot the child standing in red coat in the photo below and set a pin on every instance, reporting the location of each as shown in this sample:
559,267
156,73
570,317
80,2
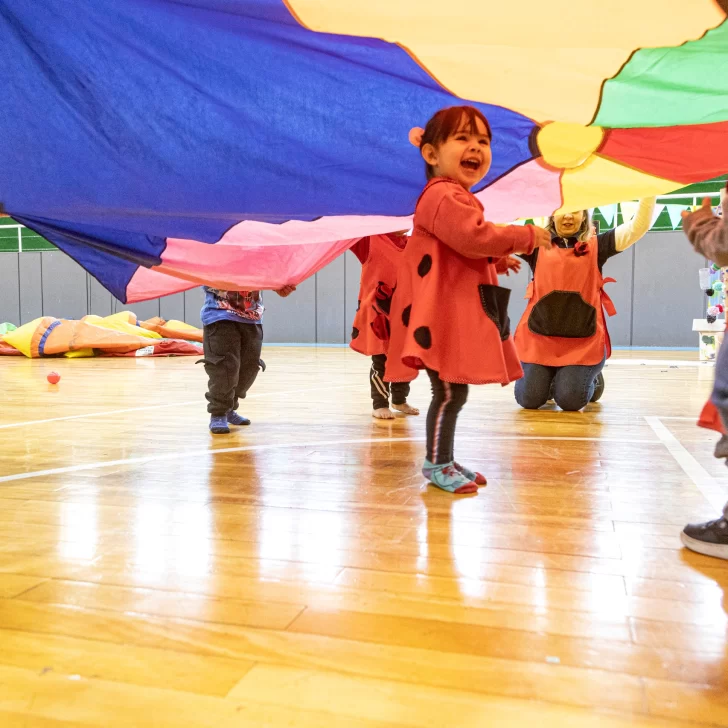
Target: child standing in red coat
448,314
380,256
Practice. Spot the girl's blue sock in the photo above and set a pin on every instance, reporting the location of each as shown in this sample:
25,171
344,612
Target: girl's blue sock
448,477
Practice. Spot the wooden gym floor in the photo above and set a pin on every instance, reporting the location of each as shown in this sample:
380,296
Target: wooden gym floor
300,572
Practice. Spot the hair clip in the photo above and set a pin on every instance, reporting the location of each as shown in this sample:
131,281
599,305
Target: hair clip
415,136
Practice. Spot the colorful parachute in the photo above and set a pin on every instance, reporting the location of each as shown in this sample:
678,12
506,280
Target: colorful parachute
246,143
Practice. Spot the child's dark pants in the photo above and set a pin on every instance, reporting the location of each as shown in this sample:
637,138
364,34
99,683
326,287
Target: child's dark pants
232,360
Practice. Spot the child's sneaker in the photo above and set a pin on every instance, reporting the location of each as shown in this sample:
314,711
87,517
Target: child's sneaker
219,425
448,478
234,418
710,538
476,477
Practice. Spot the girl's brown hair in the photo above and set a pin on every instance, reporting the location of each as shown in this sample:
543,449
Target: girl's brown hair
447,122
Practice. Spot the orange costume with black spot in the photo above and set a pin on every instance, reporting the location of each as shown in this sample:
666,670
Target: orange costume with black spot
564,322
448,313
380,256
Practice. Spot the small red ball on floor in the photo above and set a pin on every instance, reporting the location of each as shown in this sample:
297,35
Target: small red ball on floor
54,377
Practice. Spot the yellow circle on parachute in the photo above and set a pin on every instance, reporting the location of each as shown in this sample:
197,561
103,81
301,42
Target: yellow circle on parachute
565,145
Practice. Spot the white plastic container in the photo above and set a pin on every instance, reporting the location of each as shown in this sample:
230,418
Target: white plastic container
710,338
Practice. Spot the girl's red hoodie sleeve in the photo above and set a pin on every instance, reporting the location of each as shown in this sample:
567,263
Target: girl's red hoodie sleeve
455,217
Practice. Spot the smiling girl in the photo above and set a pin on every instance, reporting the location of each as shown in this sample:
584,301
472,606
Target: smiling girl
448,314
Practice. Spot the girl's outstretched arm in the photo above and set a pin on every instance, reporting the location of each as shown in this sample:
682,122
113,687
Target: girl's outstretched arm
452,215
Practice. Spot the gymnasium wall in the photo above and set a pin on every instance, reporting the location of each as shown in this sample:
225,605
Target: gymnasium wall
657,296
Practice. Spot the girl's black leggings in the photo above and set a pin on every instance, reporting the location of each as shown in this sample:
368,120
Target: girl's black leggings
447,401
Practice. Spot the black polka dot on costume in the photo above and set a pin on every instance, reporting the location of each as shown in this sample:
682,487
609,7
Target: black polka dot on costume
406,315
423,337
425,264
354,332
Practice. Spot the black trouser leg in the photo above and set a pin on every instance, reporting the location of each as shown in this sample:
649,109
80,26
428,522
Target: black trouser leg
251,344
447,401
379,388
400,392
221,345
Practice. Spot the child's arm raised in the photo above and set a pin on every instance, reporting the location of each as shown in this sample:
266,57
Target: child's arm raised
708,233
449,213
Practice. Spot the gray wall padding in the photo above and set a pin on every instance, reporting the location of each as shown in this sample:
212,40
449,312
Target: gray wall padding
656,296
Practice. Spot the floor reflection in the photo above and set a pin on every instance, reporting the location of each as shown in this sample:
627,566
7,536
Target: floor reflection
79,534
